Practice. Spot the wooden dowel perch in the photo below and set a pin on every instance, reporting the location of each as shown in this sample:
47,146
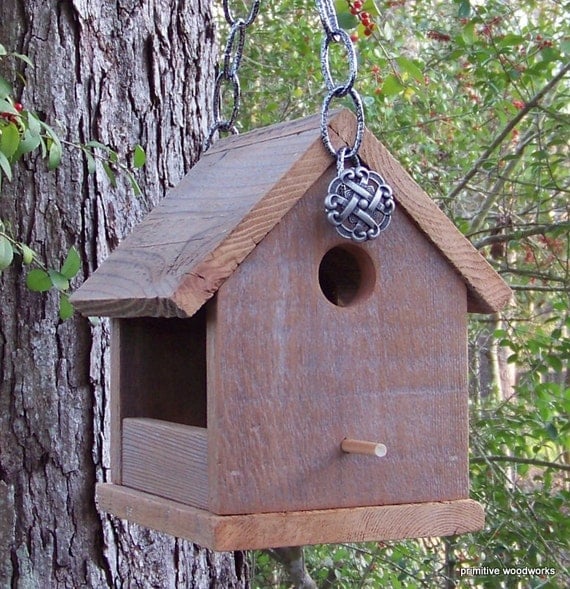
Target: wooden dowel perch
362,447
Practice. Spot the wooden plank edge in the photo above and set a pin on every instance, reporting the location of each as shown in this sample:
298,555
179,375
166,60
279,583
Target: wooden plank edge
268,133
298,528
212,271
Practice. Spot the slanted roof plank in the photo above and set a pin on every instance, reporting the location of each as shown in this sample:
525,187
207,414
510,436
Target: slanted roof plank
487,292
195,238
177,258
199,285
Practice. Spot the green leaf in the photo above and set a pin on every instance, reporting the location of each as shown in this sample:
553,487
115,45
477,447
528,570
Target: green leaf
28,253
9,140
65,308
511,40
97,144
347,21
392,86
551,431
5,166
28,143
468,33
54,154
370,7
34,124
6,252
38,280
408,66
134,184
5,88
139,157
110,174
3,50
58,280
91,164
464,9
72,264
24,58
7,106
113,156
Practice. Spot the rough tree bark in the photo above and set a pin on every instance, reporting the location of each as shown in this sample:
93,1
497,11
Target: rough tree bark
121,72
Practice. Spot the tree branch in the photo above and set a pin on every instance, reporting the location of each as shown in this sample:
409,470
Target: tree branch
292,558
519,460
521,233
533,274
532,103
524,287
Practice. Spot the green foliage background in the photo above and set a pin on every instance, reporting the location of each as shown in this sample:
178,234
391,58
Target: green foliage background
472,97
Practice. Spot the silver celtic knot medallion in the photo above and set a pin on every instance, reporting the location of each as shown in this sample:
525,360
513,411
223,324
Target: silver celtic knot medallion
359,204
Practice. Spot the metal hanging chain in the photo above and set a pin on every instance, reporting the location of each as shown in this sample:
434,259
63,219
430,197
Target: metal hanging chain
359,203
228,74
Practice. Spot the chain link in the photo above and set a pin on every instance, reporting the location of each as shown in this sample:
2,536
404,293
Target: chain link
228,74
359,203
334,34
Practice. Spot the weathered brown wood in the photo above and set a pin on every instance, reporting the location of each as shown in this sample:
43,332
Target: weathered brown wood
309,341
116,416
166,459
206,226
193,241
163,369
486,290
249,532
299,373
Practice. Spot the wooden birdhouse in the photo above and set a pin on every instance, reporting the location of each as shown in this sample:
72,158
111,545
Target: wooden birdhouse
275,384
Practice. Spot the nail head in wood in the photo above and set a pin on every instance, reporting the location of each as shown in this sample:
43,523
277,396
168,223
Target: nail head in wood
363,447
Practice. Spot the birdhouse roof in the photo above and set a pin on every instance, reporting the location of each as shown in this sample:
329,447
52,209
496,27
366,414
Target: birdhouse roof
184,250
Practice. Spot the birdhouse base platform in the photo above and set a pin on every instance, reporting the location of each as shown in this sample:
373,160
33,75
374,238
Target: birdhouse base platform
297,528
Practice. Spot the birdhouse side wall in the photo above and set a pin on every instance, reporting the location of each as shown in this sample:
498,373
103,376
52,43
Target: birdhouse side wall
291,374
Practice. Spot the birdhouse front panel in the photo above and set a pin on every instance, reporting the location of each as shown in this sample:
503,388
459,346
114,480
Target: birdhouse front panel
317,340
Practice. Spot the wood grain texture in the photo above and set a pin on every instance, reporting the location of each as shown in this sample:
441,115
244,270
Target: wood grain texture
162,370
198,235
299,374
166,459
115,433
271,530
487,292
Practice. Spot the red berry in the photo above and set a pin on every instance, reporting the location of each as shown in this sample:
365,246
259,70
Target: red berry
354,37
357,5
353,10
8,116
518,104
365,19
18,106
368,31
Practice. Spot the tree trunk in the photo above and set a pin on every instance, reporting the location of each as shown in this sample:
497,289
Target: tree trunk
123,72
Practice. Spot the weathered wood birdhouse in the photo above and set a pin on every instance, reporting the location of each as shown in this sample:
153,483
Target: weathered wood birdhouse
275,384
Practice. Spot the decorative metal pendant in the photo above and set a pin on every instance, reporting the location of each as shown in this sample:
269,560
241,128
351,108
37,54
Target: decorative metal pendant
359,204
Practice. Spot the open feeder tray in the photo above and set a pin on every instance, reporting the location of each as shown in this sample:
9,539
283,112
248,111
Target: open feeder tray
250,342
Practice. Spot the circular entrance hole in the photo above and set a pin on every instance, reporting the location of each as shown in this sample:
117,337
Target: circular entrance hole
346,275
